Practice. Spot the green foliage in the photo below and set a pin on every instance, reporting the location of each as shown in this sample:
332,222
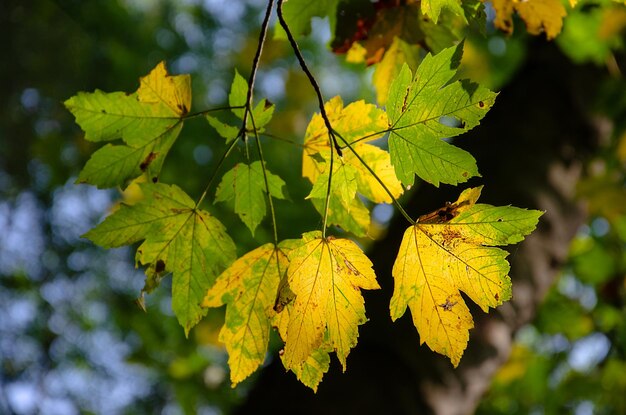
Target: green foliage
244,185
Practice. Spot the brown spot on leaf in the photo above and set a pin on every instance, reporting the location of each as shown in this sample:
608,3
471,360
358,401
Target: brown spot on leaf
160,266
449,235
447,306
182,108
481,104
496,296
146,162
155,179
268,104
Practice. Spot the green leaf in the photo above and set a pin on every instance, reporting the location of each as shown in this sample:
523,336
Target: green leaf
238,94
178,238
245,185
225,130
425,108
433,8
148,121
262,113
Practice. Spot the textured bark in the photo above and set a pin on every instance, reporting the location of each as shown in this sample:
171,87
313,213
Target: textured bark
530,151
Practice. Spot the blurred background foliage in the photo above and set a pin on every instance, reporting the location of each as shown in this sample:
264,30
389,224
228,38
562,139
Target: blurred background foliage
73,340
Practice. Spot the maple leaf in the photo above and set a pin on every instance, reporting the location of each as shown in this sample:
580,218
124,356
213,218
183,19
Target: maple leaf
178,238
433,8
357,124
312,370
452,250
539,15
325,275
425,108
148,121
244,184
248,287
260,115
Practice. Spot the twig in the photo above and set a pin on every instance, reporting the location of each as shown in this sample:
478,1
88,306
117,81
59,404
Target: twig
312,81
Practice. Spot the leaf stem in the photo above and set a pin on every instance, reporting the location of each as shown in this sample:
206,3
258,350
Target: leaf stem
378,179
205,112
286,140
217,169
267,184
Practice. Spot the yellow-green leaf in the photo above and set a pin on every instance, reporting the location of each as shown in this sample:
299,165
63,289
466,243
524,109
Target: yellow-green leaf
248,287
148,121
428,107
354,122
326,276
451,250
178,238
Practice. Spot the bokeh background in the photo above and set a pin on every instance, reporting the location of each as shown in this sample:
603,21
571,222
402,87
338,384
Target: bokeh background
72,338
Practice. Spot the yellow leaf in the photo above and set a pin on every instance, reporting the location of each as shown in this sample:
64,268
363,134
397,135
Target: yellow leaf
389,67
539,15
312,370
353,122
448,251
249,288
173,91
326,276
380,162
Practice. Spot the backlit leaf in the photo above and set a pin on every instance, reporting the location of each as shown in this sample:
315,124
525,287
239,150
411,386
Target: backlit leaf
452,250
311,372
433,8
262,112
148,121
354,122
425,108
358,123
248,287
178,238
326,276
539,15
244,185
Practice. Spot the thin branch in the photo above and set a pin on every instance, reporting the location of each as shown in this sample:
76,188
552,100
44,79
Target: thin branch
312,81
255,63
247,106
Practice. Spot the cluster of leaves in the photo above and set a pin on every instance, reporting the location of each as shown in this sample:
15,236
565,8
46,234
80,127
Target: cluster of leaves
310,288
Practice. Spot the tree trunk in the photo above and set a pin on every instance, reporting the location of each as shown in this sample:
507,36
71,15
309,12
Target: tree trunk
530,151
